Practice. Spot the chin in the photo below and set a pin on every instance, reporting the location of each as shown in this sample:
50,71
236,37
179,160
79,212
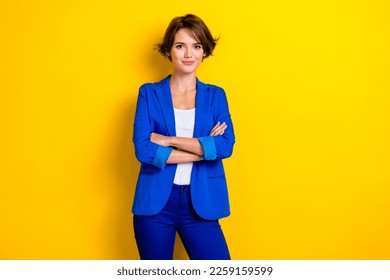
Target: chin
186,71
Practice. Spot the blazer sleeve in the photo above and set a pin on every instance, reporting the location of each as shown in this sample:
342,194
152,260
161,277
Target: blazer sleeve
221,146
145,150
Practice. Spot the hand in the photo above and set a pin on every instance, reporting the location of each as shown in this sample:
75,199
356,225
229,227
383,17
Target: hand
160,139
218,129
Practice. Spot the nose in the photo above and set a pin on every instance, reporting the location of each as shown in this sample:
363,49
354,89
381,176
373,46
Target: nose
187,53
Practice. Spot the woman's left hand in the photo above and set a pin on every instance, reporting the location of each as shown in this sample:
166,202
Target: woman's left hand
160,139
218,129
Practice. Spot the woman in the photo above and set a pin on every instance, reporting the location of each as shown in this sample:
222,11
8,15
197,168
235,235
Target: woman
182,131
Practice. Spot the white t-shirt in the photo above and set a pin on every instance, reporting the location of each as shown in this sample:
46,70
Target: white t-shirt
184,123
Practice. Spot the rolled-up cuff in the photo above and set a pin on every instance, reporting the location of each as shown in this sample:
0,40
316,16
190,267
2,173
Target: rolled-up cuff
208,145
161,156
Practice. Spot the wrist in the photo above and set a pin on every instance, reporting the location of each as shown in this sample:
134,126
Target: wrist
171,141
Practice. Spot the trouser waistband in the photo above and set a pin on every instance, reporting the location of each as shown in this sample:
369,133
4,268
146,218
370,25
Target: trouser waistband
181,186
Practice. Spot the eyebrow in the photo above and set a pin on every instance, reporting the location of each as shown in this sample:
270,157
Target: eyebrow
185,43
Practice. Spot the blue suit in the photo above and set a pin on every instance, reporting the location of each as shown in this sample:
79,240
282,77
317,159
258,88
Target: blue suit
154,113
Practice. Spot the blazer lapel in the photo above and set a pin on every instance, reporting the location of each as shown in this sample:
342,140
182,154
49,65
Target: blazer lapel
202,106
163,93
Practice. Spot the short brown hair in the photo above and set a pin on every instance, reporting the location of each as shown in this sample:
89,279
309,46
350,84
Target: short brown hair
196,26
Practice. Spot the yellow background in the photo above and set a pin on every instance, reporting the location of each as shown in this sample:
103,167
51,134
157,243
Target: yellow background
308,87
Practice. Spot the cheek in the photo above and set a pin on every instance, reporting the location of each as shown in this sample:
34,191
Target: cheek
175,53
201,54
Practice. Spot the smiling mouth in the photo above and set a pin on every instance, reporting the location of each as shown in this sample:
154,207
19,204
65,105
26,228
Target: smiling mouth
188,62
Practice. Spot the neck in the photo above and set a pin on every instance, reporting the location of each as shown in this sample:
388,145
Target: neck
183,82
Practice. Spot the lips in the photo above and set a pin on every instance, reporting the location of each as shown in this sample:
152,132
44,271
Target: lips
188,63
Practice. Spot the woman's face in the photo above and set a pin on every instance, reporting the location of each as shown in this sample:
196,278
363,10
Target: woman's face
186,53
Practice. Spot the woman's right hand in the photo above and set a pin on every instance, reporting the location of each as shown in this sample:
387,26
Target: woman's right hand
218,129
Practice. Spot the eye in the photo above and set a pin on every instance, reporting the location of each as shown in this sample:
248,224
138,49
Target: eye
198,46
179,46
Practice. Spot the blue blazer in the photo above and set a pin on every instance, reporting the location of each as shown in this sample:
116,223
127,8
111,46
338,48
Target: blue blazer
154,113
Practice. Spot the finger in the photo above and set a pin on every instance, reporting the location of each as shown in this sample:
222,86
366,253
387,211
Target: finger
221,129
213,130
215,127
222,126
218,129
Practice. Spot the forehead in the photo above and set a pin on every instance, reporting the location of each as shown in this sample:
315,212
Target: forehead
186,36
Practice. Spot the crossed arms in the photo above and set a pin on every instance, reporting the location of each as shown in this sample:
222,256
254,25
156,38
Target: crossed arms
188,149
159,150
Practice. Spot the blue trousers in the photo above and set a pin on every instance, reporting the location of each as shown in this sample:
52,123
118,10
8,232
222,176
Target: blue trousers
202,239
